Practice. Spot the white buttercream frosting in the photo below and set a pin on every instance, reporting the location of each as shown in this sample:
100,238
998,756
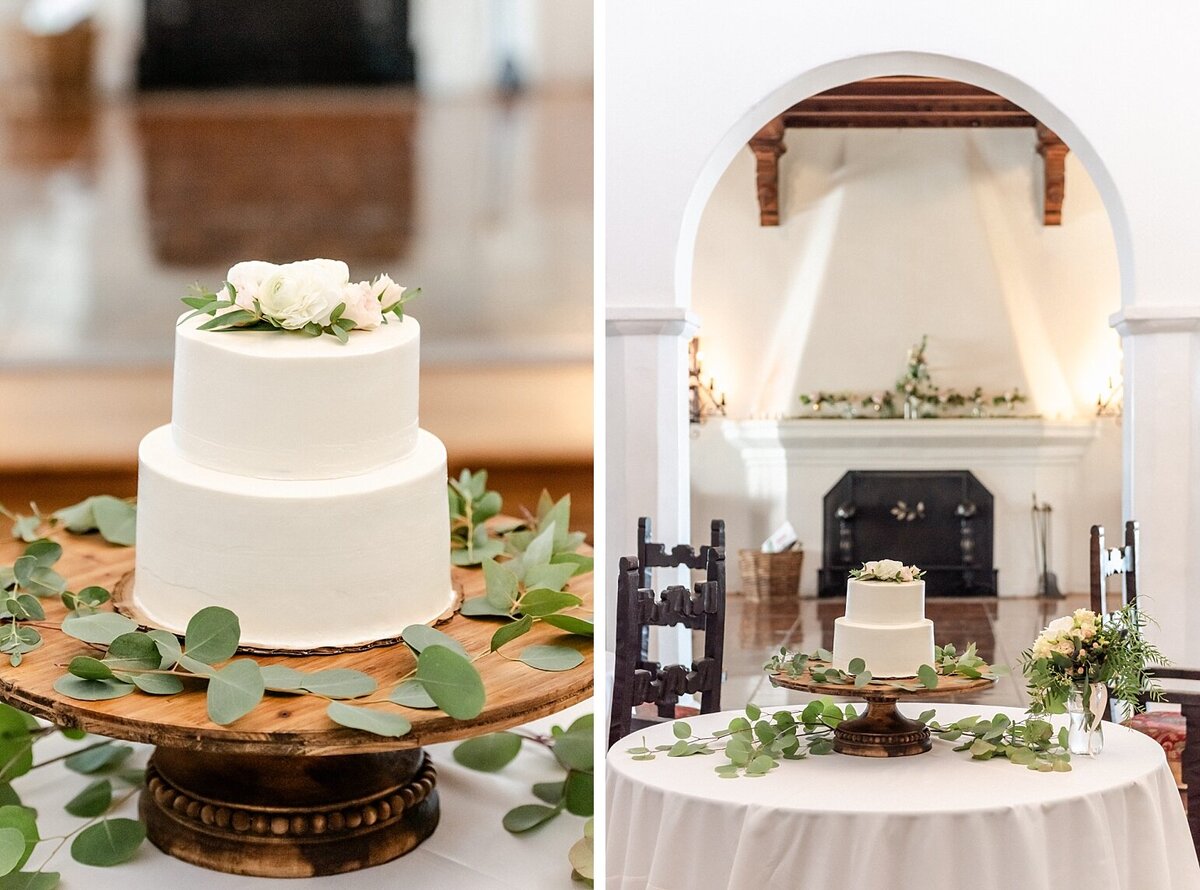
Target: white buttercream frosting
303,563
885,626
276,405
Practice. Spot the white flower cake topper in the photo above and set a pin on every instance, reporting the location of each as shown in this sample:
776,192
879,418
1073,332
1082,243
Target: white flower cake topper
312,296
887,570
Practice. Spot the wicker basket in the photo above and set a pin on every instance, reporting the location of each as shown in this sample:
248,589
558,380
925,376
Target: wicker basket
770,576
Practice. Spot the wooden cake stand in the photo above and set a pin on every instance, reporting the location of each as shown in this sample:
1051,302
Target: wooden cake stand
883,731
284,791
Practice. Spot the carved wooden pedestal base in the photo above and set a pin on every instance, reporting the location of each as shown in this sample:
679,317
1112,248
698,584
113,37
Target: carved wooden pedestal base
881,732
288,817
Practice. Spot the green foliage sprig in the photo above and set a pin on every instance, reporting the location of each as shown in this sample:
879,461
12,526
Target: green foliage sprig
114,518
101,839
471,506
947,662
573,750
207,302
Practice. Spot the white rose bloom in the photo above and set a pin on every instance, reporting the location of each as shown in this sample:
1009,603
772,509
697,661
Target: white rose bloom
1060,626
361,306
1066,647
308,291
871,568
889,568
387,291
905,574
247,279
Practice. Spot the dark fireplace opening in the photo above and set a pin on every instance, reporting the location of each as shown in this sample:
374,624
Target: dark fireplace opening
939,520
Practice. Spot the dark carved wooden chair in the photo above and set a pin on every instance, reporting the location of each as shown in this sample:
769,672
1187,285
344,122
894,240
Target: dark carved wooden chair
637,680
1169,728
709,558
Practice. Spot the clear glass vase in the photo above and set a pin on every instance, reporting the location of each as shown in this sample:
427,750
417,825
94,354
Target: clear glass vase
1086,706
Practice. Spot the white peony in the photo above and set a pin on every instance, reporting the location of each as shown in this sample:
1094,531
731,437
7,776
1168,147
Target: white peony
871,568
362,307
297,294
1060,626
247,279
888,569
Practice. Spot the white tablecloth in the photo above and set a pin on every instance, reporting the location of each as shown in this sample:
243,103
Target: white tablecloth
933,821
469,849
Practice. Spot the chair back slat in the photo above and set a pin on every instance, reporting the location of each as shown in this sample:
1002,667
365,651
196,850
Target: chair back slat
636,679
1109,561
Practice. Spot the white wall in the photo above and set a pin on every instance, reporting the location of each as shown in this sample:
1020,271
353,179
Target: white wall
886,235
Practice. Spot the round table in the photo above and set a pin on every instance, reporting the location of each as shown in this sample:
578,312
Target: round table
937,821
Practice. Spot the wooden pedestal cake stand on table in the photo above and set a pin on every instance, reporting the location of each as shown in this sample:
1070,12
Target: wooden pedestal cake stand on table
883,731
284,791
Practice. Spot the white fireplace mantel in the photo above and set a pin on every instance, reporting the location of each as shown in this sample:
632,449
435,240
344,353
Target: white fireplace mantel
789,465
920,444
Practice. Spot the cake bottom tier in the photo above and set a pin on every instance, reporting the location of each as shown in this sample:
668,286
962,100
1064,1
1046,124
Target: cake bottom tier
889,651
303,564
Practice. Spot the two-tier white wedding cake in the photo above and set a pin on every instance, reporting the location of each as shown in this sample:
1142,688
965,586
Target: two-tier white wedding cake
293,485
885,623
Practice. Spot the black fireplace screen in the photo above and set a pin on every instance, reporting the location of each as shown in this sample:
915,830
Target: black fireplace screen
939,520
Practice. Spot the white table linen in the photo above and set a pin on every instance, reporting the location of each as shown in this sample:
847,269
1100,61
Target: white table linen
470,849
936,820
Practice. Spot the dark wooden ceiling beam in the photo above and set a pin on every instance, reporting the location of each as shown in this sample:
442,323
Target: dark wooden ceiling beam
903,102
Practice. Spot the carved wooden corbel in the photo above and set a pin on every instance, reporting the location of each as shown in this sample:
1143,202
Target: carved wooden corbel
767,145
1054,157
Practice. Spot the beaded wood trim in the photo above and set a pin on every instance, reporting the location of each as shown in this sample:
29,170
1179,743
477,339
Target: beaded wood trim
334,822
122,600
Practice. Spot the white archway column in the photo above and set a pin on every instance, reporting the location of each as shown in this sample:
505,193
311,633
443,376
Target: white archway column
647,445
1161,428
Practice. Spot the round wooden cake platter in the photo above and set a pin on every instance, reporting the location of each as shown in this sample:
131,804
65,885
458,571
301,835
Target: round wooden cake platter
284,791
883,731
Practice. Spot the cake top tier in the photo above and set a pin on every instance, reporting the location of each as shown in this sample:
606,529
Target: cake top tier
269,402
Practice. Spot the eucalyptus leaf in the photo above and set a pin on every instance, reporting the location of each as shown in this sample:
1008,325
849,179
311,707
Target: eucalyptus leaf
581,562
481,607
928,676
199,668
30,880
550,792
168,646
77,519
452,682
281,678
531,815
212,635
92,801
501,584
116,520
89,668
540,548
339,683
373,720
91,690
489,753
234,691
133,651
506,633
155,684
109,842
580,791
551,658
548,576
106,756
45,552
25,528
571,624
541,602
411,694
24,820
419,637
101,628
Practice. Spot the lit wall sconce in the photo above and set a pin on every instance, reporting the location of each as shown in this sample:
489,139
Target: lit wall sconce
703,401
1111,399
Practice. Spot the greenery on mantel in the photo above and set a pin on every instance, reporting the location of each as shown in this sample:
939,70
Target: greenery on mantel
913,396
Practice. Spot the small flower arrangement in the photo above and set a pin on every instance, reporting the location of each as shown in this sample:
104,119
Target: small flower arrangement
314,297
1085,648
887,570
